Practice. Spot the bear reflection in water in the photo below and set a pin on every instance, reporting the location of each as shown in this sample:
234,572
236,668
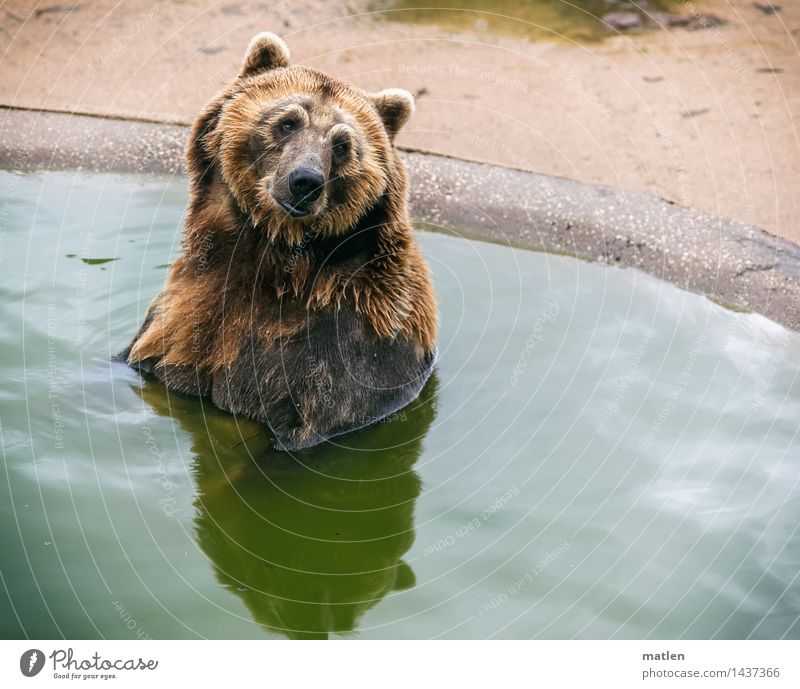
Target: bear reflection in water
308,541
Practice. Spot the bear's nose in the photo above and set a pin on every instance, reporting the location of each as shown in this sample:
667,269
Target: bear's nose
306,184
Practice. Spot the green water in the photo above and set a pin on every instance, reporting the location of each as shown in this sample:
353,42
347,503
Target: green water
599,455
572,20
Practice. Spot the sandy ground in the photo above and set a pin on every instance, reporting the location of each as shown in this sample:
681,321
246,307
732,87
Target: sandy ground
703,118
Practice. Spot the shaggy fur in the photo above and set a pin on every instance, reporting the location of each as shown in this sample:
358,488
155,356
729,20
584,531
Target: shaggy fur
315,325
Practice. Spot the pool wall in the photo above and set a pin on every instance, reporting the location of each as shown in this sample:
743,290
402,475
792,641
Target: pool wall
738,265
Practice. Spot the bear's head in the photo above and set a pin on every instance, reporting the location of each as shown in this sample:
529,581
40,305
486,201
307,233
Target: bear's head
296,149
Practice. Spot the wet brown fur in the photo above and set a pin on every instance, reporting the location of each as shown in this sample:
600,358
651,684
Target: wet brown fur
251,275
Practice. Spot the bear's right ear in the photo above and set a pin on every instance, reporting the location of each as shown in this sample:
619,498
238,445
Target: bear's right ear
266,51
395,107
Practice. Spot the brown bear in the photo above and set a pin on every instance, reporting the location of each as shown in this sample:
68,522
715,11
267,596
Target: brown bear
300,297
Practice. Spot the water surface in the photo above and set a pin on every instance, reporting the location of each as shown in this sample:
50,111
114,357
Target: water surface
572,20
600,455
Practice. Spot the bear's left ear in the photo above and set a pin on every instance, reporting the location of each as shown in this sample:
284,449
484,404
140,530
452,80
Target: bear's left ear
395,106
266,51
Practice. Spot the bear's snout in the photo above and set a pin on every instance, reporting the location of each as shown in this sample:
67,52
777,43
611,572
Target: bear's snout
305,185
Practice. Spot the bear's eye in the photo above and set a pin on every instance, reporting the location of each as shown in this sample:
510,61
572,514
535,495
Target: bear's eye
289,126
341,149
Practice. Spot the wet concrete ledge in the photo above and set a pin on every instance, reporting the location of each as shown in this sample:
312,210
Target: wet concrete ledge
733,263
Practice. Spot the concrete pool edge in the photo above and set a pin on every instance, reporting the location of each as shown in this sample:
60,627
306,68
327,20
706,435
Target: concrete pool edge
733,263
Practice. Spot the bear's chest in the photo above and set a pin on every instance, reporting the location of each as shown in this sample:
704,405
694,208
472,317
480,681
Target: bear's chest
332,376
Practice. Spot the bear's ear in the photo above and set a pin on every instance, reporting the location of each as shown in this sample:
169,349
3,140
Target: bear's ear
266,51
395,106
